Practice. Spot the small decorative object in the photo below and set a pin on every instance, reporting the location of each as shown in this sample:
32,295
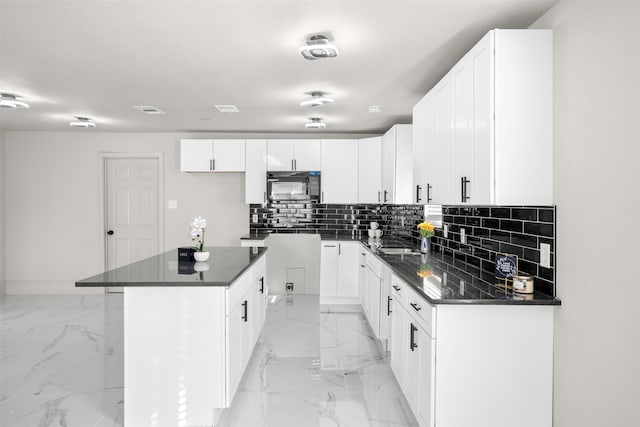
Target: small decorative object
506,268
185,254
426,231
197,235
523,284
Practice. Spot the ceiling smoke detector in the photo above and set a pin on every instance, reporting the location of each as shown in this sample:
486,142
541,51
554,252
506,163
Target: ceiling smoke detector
315,123
318,99
9,100
82,122
375,108
318,47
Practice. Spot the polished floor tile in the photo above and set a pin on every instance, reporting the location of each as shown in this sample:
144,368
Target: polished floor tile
61,365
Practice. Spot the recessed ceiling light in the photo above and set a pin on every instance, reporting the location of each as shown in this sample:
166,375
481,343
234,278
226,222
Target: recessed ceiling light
82,122
375,108
227,108
148,109
317,99
318,47
9,100
315,123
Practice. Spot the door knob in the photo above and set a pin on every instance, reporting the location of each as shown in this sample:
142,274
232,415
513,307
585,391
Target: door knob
110,232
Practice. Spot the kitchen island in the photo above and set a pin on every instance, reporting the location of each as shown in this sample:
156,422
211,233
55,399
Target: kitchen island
189,331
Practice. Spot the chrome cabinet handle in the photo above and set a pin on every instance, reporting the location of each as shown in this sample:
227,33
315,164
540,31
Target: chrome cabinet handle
246,314
385,197
262,285
415,306
213,164
463,189
397,288
418,188
429,193
378,196
388,305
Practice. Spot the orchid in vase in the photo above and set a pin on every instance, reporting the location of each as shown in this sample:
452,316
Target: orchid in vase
198,226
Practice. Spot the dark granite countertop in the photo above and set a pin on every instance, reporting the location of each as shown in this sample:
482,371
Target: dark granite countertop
435,277
224,266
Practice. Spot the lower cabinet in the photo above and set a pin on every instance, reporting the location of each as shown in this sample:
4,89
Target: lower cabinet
339,272
245,321
457,364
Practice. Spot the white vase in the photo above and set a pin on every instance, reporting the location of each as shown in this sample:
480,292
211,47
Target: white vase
201,256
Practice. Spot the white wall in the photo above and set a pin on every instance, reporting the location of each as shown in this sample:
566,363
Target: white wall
2,214
597,171
53,204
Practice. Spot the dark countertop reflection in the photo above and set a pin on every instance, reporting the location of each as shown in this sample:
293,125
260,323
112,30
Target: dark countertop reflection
224,266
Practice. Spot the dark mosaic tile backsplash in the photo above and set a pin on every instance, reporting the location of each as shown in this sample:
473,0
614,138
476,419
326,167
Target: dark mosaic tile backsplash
489,230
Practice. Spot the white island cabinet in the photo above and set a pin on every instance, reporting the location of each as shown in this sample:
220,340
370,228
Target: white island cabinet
189,332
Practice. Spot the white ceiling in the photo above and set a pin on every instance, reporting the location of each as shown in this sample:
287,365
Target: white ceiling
100,58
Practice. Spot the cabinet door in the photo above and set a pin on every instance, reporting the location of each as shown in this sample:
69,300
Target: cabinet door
398,341
339,171
426,356
418,148
196,155
402,183
307,155
385,304
462,136
481,186
228,155
373,297
280,155
412,364
234,352
329,270
388,164
255,180
370,170
348,274
442,176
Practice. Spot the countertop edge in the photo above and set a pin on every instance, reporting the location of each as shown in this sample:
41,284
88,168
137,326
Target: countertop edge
81,284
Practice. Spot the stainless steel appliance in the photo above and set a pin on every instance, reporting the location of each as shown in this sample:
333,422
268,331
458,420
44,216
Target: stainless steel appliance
293,186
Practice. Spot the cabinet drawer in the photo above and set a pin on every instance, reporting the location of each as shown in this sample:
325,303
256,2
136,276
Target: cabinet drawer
421,310
399,291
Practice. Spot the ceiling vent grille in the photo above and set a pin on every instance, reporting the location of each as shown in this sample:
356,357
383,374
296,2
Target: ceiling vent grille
227,108
148,109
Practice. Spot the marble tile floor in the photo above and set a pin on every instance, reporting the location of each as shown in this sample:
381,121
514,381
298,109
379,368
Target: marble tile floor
61,365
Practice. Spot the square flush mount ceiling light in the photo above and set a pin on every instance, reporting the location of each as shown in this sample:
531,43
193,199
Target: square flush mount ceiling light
317,99
318,47
315,123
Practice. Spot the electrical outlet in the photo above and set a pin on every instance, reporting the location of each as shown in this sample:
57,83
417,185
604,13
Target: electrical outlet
462,287
289,287
463,236
172,204
445,232
545,255
254,218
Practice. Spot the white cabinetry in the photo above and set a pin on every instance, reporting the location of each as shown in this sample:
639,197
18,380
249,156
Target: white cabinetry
339,171
397,165
294,155
255,180
209,155
369,170
436,352
339,272
490,130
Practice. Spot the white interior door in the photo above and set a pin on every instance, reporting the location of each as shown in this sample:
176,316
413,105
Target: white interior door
131,222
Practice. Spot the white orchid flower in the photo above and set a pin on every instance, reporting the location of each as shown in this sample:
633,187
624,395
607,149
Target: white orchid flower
199,222
196,232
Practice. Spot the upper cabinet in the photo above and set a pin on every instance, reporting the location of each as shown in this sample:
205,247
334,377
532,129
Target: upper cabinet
212,155
370,170
488,124
397,165
339,171
294,154
255,181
